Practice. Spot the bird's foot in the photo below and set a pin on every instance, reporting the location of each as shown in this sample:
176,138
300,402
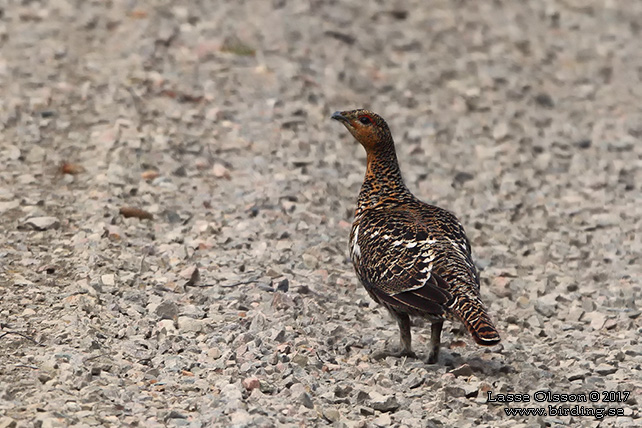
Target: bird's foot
380,355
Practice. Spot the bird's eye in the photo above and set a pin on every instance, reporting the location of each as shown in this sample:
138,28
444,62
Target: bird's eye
365,120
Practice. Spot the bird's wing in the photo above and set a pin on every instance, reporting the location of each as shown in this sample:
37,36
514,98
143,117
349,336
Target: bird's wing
455,261
395,260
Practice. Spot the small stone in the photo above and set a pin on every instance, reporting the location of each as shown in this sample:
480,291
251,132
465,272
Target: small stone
366,411
588,305
44,378
251,383
605,369
175,415
19,280
108,280
283,285
11,152
545,309
413,381
214,353
577,375
168,326
189,324
545,100
583,144
362,396
220,171
27,312
500,131
180,171
575,314
43,223
626,421
462,177
464,370
149,174
300,360
454,391
597,319
113,232
267,388
385,403
471,389
383,420
7,422
306,400
167,310
342,391
9,205
310,261
523,301
191,274
241,418
331,414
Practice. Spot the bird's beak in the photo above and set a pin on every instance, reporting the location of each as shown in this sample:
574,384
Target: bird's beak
337,115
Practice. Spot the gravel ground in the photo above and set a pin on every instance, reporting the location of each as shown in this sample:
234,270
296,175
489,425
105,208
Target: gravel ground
229,300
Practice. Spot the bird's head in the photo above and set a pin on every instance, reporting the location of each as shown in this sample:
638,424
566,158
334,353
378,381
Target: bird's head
367,127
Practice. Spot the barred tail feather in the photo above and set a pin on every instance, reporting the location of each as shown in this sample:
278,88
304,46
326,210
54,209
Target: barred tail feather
472,313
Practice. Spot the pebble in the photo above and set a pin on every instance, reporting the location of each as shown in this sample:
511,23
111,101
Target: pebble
306,400
454,391
7,422
167,310
108,280
331,414
168,327
43,223
605,369
464,370
577,375
220,171
575,314
596,319
9,205
383,420
241,418
251,383
384,403
189,324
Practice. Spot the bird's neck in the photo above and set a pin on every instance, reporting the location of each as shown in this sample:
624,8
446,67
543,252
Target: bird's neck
383,183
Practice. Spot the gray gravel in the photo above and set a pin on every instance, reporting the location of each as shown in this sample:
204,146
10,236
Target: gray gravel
175,205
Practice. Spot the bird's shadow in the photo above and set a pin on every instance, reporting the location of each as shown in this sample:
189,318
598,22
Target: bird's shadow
452,360
448,359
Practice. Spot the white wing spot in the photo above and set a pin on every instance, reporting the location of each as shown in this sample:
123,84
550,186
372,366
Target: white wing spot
356,251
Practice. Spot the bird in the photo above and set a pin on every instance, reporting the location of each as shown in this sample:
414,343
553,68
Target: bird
413,258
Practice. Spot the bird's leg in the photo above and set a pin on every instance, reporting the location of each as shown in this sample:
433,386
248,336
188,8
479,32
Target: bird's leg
435,340
405,339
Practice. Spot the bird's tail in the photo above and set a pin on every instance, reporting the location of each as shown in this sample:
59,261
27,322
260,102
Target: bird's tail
471,311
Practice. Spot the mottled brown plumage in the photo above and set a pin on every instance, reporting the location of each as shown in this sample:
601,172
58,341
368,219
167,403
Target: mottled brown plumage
411,257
